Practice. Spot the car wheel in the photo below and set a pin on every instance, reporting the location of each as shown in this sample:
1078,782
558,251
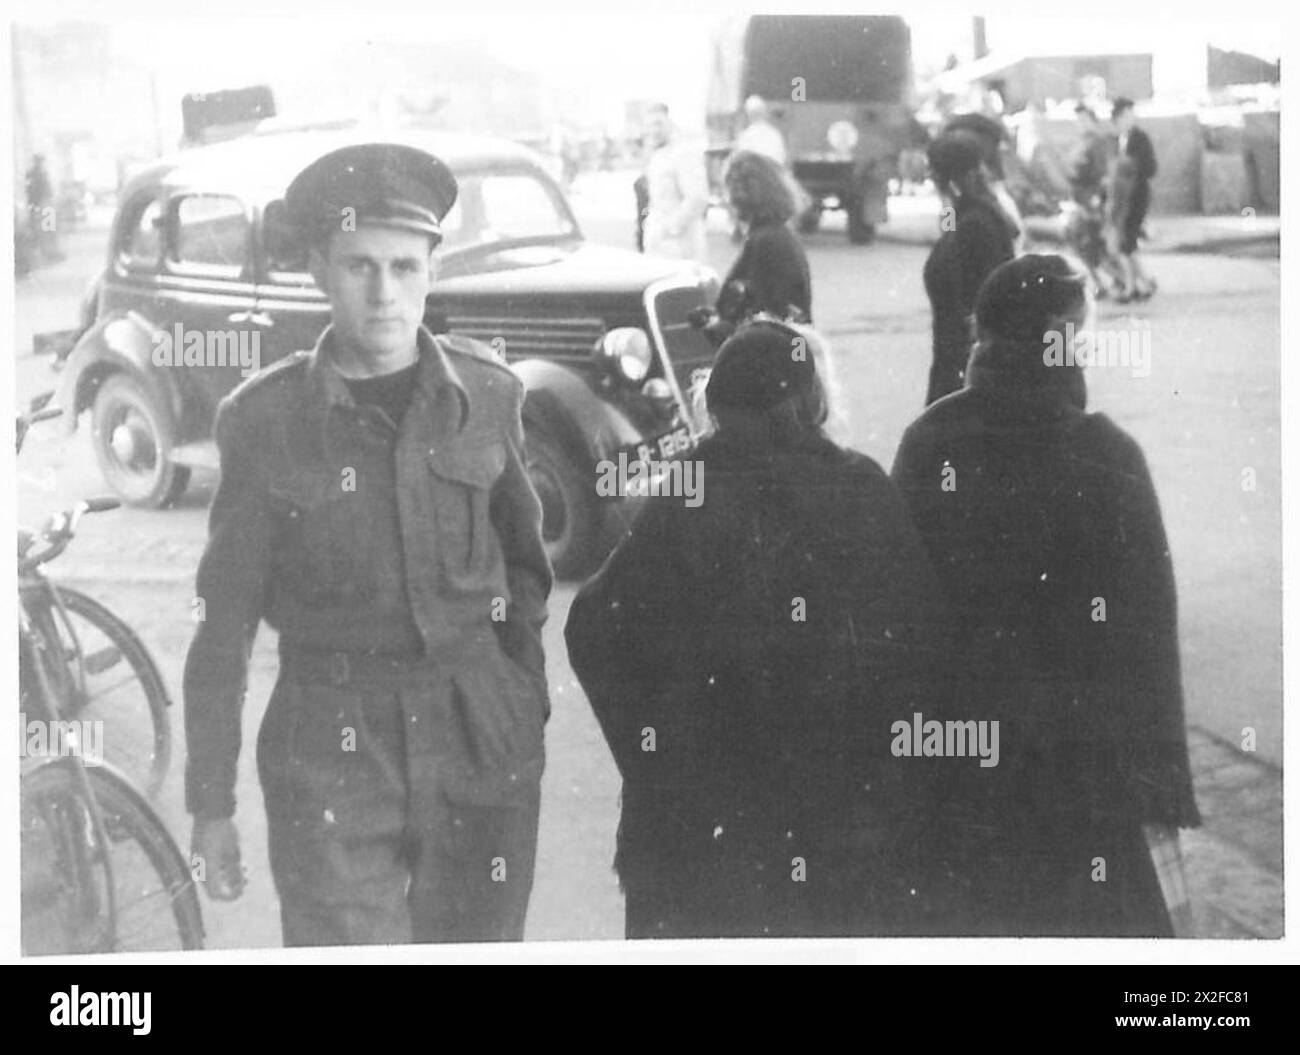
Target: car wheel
810,219
132,439
570,520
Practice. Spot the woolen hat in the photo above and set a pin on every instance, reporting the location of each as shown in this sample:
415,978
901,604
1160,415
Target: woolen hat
760,365
1025,297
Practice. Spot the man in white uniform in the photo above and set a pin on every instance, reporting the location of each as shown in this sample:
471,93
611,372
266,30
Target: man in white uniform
678,192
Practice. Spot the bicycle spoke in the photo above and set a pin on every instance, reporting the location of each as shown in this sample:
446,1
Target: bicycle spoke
146,917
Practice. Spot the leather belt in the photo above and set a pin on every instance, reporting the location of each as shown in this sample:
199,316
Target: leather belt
321,666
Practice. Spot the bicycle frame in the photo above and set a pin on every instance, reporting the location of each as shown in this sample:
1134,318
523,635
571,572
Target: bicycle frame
33,586
31,659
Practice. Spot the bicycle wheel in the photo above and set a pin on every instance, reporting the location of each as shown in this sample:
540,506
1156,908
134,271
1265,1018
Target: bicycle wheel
129,890
106,674
155,896
66,882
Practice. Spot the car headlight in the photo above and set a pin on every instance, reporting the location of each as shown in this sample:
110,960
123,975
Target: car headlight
842,136
628,348
657,390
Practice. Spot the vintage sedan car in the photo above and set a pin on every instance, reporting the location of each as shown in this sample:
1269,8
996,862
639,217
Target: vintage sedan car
204,283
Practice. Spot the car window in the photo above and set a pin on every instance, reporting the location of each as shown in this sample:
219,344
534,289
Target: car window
503,207
211,233
142,242
286,252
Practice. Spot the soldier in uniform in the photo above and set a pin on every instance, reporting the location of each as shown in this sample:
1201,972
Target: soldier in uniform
374,508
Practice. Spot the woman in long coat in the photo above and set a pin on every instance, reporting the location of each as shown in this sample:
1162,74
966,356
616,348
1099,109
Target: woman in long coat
1045,530
977,237
746,658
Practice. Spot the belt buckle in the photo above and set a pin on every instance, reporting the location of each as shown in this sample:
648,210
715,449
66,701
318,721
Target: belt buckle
338,668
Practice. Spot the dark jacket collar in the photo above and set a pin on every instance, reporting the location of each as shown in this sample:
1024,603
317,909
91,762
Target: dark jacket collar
988,202
1016,374
751,438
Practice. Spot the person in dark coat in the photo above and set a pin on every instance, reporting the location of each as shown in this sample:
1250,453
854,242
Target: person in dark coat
1044,527
771,273
999,160
745,659
977,237
1135,170
43,233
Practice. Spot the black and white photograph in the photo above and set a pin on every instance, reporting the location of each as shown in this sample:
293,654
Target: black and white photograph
647,484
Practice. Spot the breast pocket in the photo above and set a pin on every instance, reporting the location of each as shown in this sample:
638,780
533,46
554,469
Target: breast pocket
462,479
320,546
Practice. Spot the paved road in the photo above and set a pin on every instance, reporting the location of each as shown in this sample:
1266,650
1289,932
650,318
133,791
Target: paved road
1208,410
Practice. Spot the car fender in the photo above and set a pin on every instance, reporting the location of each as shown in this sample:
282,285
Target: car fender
119,342
559,401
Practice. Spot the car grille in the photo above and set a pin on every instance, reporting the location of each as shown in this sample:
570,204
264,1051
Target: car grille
688,349
555,338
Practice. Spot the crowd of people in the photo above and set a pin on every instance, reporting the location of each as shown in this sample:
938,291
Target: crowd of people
940,700
749,660
981,226
1111,185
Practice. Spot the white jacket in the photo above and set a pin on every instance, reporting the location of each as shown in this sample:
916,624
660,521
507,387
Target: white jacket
679,195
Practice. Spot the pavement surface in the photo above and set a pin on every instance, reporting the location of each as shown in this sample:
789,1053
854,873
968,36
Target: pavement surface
914,219
1207,410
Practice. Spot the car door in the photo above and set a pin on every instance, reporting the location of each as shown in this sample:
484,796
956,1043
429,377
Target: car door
204,308
291,308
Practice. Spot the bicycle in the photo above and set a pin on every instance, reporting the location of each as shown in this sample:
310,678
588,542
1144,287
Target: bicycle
97,863
99,668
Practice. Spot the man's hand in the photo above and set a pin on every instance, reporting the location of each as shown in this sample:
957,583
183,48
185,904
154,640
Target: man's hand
214,854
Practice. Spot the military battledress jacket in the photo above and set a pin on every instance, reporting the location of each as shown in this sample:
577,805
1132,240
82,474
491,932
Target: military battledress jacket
354,537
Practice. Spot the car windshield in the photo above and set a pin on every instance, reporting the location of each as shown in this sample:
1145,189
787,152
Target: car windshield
492,208
501,207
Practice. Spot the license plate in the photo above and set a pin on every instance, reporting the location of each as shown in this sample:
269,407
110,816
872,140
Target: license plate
668,445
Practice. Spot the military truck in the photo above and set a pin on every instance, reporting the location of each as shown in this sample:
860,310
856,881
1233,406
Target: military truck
840,89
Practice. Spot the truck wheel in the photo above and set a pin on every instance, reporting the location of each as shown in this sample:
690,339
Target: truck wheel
860,232
570,515
132,441
810,219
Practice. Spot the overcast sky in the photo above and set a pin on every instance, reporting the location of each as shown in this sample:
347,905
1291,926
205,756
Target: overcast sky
656,48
